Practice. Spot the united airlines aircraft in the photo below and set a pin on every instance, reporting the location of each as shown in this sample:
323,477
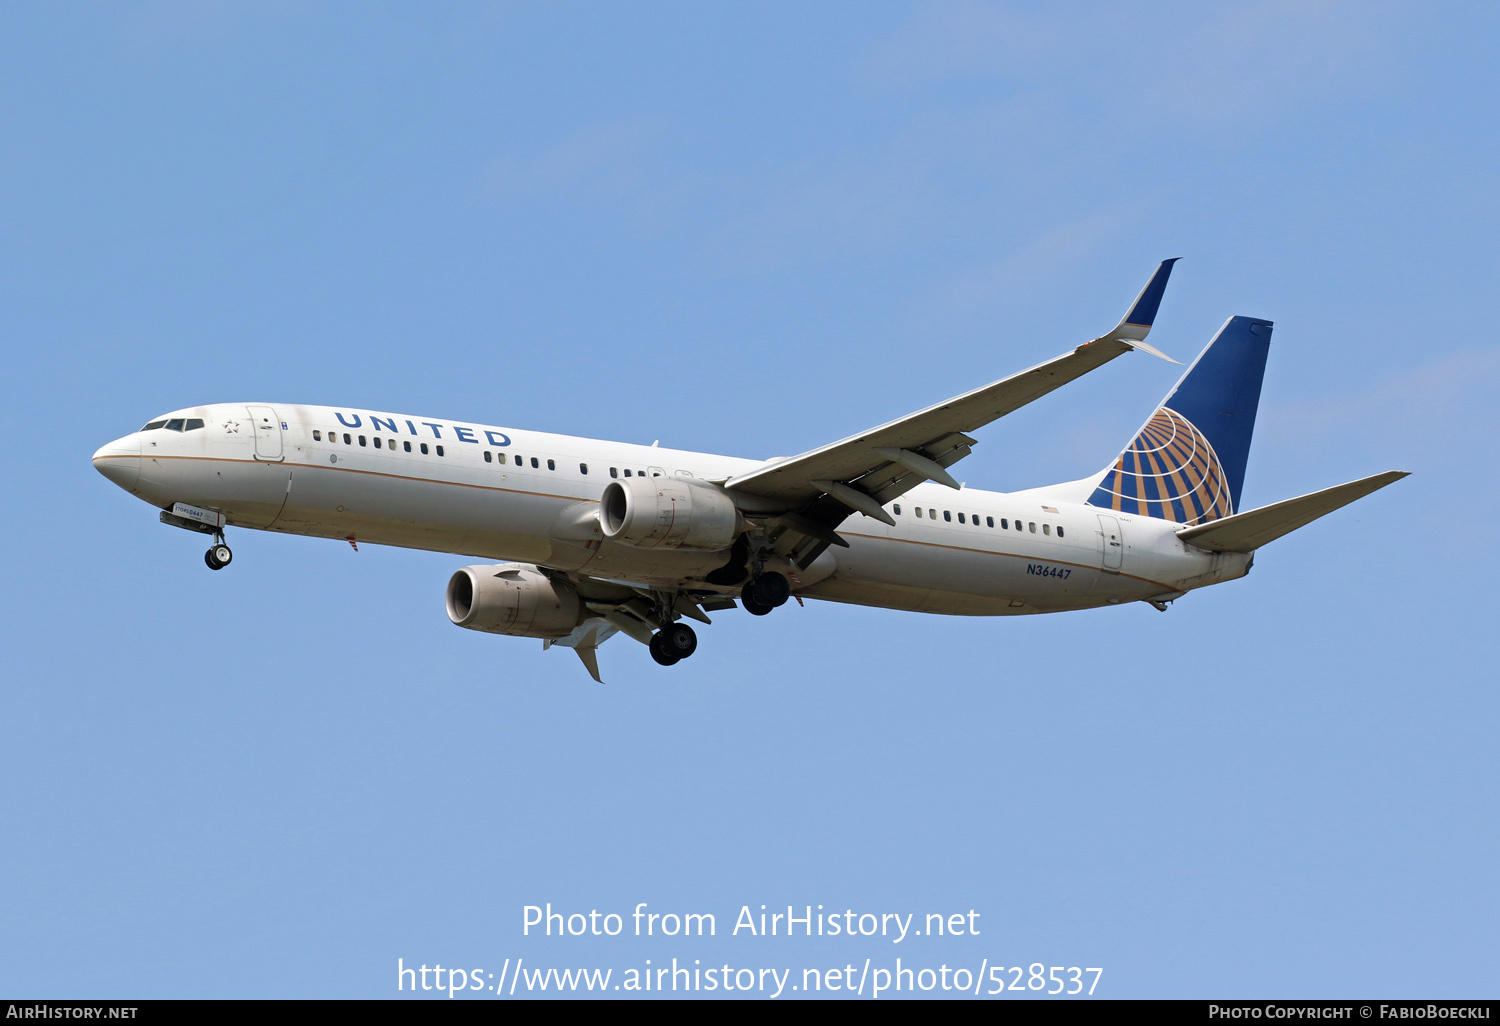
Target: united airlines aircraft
594,538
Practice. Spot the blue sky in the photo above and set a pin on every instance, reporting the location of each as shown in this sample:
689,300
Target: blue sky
749,229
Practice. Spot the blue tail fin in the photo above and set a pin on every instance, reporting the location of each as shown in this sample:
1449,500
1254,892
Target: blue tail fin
1188,462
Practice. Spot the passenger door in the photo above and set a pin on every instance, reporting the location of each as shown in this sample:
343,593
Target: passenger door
1111,543
267,427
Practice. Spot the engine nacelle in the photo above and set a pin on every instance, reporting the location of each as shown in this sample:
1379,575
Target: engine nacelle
668,513
513,598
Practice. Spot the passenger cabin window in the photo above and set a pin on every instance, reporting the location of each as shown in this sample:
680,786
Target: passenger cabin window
1059,530
317,435
613,472
439,450
347,440
1004,524
961,518
500,456
1047,529
154,425
487,457
551,465
406,446
948,516
1032,525
534,464
424,448
583,468
377,441
627,471
896,509
361,439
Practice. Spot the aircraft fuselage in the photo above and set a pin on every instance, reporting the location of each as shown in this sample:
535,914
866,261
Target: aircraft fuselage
509,495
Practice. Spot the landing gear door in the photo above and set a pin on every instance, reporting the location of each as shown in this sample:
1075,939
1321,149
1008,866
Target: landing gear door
267,426
1112,544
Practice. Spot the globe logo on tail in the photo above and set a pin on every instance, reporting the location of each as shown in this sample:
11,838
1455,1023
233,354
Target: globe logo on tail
1169,472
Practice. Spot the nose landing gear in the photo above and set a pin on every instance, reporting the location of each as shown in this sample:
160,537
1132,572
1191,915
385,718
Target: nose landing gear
203,521
218,556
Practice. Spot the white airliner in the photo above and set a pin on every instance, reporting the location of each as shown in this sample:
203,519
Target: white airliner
602,537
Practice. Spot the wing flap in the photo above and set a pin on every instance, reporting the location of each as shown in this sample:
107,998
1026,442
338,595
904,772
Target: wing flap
1246,532
893,480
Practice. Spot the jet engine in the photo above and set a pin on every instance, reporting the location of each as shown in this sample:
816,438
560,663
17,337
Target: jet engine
513,598
668,513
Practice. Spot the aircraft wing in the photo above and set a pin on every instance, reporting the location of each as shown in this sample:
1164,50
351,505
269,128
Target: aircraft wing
867,470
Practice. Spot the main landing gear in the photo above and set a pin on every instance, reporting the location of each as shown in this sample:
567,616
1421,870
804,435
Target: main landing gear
764,592
673,643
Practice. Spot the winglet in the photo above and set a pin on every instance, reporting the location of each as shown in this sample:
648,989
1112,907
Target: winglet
1143,311
1136,343
1136,325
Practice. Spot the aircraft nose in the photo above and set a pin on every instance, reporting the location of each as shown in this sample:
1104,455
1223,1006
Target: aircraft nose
120,461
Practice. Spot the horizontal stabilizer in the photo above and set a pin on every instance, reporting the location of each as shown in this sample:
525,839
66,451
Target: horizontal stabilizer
1245,532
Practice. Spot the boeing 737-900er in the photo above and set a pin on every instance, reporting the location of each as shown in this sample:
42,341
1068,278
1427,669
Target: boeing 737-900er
597,537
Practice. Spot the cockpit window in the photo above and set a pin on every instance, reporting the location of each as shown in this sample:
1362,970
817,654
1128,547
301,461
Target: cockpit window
193,424
154,425
175,424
